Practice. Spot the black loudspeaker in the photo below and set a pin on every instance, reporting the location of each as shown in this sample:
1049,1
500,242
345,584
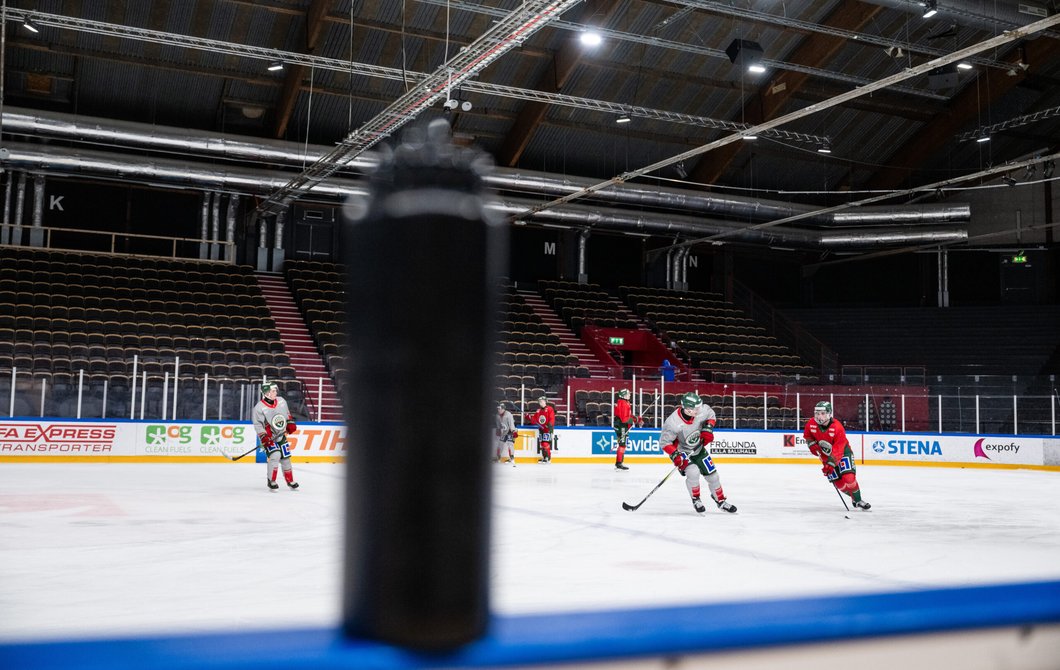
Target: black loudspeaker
942,78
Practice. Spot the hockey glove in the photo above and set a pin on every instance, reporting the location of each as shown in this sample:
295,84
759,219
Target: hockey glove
680,461
814,449
515,434
266,442
291,427
829,471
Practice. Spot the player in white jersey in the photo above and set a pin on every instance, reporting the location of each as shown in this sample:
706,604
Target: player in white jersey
505,433
685,436
273,423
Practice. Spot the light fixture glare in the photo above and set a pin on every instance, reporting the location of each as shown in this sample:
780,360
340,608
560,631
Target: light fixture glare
623,119
28,25
590,38
275,65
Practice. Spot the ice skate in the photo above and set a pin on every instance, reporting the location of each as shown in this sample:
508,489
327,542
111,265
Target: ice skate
698,504
620,466
725,505
861,504
271,484
292,485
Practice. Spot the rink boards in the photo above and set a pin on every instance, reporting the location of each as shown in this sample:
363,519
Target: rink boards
194,441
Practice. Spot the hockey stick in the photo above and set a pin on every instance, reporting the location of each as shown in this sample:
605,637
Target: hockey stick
842,500
236,458
633,508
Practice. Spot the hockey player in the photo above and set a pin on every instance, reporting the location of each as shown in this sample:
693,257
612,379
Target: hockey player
685,436
505,432
623,421
545,420
827,440
273,423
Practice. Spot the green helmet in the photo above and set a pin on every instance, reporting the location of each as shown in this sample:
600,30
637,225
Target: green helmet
268,386
691,400
825,407
624,393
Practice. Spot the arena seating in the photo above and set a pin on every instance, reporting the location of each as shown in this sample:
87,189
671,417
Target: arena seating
69,317
530,357
584,304
965,340
716,336
595,409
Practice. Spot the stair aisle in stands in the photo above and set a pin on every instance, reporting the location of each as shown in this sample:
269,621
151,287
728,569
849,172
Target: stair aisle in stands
597,370
300,347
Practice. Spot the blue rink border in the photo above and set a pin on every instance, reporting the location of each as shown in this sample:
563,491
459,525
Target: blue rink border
578,637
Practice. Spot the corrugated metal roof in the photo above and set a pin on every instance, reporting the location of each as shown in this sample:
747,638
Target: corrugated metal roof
138,80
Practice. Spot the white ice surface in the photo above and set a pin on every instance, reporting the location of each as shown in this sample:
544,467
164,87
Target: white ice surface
90,550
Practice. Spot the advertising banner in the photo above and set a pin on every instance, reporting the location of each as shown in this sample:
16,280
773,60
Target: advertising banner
157,440
205,442
591,444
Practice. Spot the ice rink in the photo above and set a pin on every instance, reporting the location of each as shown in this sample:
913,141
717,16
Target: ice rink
92,550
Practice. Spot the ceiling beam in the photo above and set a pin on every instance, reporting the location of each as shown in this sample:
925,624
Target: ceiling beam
409,31
963,109
816,50
294,74
555,77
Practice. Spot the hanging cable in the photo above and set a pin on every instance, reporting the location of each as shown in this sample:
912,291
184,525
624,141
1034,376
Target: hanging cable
308,116
349,115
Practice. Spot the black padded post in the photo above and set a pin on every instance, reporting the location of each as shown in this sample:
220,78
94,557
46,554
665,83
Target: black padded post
424,261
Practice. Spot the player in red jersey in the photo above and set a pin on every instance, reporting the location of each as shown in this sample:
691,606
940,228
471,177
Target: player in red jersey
827,440
623,421
545,420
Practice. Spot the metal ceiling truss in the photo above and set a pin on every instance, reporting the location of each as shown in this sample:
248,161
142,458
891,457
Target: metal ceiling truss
381,72
714,53
864,38
1011,123
505,35
619,109
886,82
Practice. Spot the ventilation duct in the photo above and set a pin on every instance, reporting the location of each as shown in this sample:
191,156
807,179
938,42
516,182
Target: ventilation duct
178,140
169,173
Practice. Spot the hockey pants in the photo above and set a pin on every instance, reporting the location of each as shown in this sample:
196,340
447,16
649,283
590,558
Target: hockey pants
702,465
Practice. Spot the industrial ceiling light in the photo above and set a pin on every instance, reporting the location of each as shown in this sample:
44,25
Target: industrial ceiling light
983,137
1008,180
964,66
931,8
28,25
623,119
825,148
1047,169
590,38
275,66
746,53
750,137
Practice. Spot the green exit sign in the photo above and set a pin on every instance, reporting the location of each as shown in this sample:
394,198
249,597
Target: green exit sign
616,340
1019,258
